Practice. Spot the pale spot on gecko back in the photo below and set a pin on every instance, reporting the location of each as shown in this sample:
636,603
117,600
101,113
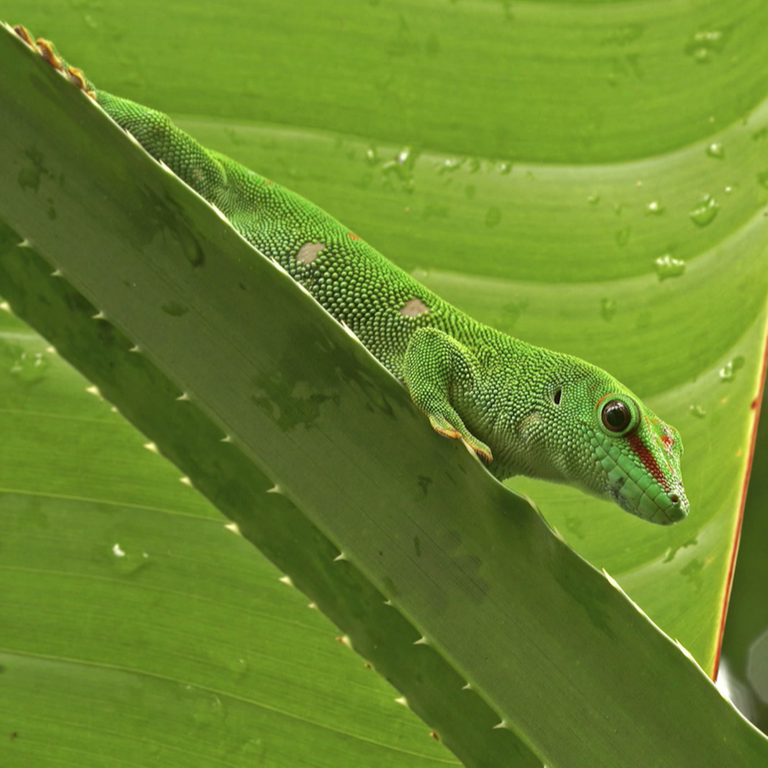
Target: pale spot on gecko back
308,252
414,307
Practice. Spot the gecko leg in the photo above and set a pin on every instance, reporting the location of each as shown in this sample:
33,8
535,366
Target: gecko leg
434,364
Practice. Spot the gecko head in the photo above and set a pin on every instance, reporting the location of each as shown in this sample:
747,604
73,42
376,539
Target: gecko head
588,430
628,454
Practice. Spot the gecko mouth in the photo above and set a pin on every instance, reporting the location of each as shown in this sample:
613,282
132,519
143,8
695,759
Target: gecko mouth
652,504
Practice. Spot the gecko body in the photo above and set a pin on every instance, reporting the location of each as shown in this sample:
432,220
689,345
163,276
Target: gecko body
521,408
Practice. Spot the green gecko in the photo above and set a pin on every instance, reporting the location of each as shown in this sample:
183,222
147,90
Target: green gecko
522,409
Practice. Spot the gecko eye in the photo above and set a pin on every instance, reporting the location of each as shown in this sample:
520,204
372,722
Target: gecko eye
616,416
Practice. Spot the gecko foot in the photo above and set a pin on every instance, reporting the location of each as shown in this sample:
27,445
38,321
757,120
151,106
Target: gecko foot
443,427
47,51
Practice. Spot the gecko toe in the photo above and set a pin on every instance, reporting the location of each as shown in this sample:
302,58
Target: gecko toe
483,452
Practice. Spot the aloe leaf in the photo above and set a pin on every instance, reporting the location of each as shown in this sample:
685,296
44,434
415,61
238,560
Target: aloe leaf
136,628
330,449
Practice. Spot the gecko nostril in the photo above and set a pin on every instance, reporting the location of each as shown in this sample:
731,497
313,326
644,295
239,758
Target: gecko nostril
674,498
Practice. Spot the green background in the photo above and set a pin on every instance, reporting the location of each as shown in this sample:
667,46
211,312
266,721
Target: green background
529,162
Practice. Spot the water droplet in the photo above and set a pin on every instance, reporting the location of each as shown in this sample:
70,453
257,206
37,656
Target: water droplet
504,168
575,525
622,236
450,164
254,750
593,199
492,216
655,208
608,309
704,44
762,178
371,156
705,211
206,708
666,267
716,150
238,666
698,411
728,371
30,368
402,167
128,561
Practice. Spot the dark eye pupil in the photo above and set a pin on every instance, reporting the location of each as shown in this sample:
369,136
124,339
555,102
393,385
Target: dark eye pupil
616,416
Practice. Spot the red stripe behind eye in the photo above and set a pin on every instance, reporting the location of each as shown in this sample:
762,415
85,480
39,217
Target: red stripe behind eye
638,446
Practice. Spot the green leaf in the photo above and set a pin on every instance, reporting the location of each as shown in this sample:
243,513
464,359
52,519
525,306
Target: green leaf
136,628
434,211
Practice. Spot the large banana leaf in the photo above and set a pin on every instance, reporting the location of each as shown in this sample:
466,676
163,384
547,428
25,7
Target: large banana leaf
599,223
